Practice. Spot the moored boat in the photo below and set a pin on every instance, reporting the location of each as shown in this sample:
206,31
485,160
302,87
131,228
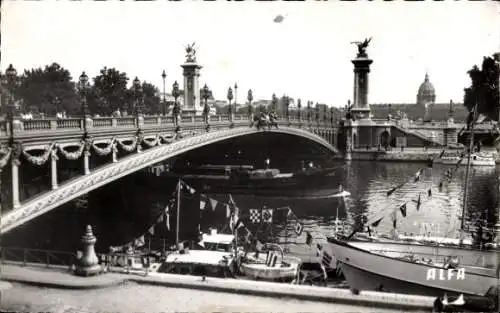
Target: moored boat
477,159
274,267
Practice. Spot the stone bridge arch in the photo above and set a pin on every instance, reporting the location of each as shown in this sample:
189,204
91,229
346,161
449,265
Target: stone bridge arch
108,173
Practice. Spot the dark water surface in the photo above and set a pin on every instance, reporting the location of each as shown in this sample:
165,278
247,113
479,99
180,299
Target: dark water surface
126,208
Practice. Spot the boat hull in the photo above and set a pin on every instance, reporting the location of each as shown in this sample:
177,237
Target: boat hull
364,270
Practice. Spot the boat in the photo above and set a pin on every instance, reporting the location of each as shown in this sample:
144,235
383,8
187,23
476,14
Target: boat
477,159
270,266
244,179
420,268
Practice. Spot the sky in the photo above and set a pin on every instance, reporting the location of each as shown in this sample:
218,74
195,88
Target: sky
308,55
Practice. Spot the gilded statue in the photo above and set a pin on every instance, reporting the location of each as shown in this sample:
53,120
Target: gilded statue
362,45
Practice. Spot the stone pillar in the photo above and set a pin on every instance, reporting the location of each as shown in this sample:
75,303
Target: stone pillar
191,72
361,106
88,264
53,168
15,163
86,157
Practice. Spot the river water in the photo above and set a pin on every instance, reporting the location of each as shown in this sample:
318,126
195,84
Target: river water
126,209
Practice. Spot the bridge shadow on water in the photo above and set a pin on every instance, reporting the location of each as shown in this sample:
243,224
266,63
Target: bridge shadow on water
124,210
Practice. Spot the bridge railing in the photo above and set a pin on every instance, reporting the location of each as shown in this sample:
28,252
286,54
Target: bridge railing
37,257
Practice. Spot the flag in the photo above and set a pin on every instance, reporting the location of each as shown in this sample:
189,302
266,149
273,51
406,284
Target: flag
213,203
254,216
167,215
417,175
390,192
139,242
299,228
267,215
151,230
187,187
309,238
418,202
327,260
203,204
403,210
377,222
289,213
394,219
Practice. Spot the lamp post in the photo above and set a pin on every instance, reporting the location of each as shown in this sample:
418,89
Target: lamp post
235,97
316,108
331,115
83,83
299,106
206,109
229,98
324,114
57,102
138,102
250,98
287,105
11,82
309,112
177,110
163,107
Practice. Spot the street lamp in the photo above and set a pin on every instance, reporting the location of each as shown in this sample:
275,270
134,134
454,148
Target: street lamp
331,115
206,110
57,102
235,97
324,114
309,111
287,105
83,83
163,107
250,98
299,106
177,110
137,95
229,98
317,112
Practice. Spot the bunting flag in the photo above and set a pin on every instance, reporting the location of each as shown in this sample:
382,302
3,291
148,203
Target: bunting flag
299,228
309,238
289,213
377,222
151,230
254,216
203,204
160,219
167,218
228,211
188,188
213,203
231,200
394,219
417,175
403,210
418,202
139,242
267,215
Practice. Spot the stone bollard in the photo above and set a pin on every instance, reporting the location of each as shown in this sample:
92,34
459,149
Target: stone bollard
88,264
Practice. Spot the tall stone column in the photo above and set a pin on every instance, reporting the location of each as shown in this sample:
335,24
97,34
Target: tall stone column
191,72
361,106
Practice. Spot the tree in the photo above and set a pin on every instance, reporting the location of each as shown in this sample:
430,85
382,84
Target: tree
151,98
484,89
109,91
49,90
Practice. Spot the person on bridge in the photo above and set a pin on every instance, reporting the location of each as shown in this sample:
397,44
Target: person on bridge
273,120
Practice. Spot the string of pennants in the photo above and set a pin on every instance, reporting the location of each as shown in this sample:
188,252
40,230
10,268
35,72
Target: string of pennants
164,217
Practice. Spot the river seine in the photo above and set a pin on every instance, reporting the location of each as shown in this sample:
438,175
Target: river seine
125,209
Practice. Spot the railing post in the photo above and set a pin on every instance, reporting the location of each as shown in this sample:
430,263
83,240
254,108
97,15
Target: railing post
53,124
114,122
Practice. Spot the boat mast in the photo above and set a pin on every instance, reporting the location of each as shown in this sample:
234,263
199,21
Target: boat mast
178,211
471,145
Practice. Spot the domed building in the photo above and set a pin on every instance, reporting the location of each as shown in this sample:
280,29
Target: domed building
426,97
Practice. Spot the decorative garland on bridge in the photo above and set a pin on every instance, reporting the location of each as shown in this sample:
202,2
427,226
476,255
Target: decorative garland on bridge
152,142
72,155
110,147
39,160
129,147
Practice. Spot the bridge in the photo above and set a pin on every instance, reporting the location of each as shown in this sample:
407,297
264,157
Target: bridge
130,144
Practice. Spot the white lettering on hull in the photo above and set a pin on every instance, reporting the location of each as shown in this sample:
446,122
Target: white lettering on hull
445,274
